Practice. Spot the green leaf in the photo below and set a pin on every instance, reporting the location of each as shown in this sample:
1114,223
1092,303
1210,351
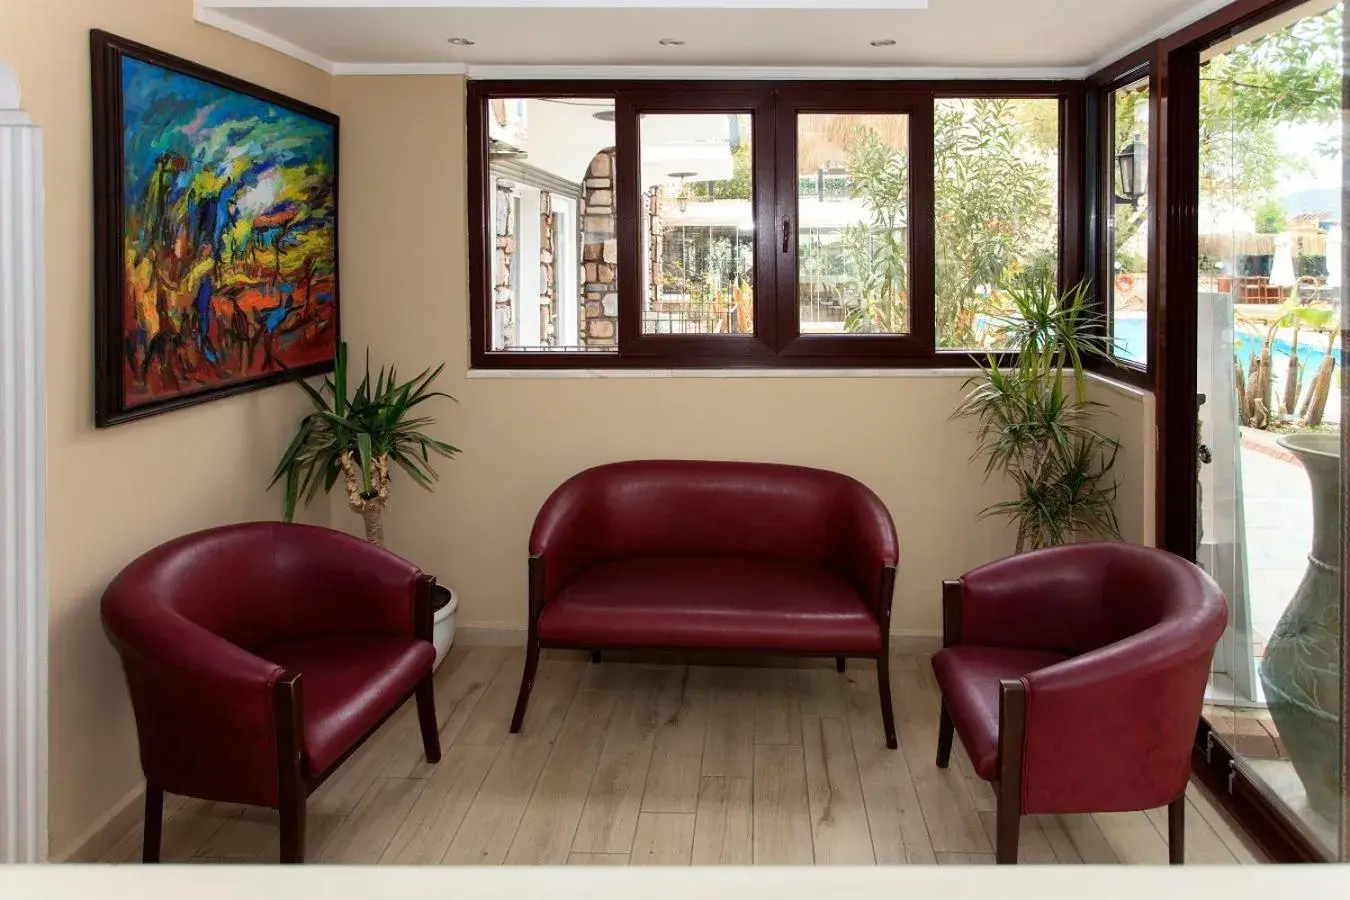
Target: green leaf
363,455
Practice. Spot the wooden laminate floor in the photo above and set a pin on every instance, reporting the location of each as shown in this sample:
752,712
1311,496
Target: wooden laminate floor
635,762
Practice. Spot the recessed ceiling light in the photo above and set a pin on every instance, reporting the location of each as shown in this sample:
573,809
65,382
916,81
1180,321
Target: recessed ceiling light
459,42
883,42
671,42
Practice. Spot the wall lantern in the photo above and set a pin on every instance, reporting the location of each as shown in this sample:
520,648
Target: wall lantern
1132,172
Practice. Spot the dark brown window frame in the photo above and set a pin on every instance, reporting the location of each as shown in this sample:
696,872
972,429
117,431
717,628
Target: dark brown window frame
776,343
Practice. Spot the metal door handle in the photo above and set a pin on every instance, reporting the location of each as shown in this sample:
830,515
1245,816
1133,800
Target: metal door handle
787,233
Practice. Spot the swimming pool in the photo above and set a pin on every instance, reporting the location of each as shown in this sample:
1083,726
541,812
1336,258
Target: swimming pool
1132,342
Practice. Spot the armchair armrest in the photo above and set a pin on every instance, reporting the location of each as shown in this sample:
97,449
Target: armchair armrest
203,707
1111,730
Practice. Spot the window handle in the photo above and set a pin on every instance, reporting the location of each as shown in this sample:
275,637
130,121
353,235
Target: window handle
787,233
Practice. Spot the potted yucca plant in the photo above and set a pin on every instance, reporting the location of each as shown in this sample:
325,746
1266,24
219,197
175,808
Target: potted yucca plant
1035,421
361,439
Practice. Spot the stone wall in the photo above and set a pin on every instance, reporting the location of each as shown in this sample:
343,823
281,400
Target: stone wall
548,306
599,255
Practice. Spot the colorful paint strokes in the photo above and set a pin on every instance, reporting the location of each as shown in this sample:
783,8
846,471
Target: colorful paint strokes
224,264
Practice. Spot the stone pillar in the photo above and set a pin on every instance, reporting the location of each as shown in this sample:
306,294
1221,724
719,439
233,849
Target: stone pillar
655,250
504,255
548,307
599,255
23,486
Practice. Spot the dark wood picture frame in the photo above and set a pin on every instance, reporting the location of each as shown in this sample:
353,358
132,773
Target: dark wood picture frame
106,54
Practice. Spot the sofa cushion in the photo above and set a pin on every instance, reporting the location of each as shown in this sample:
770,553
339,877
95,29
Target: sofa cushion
347,684
740,603
968,678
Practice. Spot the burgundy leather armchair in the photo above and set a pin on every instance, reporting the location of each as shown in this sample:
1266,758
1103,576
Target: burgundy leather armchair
259,656
712,556
1074,677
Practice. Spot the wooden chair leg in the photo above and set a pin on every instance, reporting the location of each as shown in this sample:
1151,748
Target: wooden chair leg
595,657
154,823
1176,831
526,685
292,814
945,732
884,689
292,789
840,663
1009,825
426,718
1012,730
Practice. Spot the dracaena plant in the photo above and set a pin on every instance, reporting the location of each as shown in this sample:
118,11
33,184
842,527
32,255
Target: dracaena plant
1035,422
361,438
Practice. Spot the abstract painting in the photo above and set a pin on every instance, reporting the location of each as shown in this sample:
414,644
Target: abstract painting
216,234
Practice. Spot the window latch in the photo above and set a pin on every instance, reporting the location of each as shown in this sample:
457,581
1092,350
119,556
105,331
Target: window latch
787,233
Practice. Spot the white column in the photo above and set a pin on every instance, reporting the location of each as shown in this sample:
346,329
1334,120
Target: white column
526,261
23,474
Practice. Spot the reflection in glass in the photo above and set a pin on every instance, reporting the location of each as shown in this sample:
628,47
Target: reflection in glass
1271,497
554,266
1127,223
698,224
853,223
996,210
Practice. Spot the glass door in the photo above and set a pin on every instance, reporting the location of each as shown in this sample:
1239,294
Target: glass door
1270,478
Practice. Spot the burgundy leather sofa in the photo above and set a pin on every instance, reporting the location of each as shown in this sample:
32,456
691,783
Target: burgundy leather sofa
712,556
1074,677
259,656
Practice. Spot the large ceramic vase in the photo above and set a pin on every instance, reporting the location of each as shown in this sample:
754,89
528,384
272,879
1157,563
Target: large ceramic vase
1301,668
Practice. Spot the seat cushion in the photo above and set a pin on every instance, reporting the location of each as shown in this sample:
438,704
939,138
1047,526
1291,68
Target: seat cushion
968,678
347,684
728,603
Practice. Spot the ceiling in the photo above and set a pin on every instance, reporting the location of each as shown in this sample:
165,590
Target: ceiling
1068,36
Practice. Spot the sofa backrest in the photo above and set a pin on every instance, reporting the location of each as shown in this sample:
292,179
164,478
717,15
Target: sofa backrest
708,508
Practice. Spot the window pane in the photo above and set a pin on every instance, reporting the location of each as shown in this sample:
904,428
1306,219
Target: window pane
853,224
554,257
996,206
1128,224
698,224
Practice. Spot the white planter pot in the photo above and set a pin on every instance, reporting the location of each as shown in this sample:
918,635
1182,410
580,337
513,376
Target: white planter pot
443,628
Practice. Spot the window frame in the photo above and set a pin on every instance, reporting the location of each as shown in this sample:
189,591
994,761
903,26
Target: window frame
774,106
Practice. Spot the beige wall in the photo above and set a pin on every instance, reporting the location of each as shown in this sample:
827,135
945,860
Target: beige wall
1129,419
404,295
114,493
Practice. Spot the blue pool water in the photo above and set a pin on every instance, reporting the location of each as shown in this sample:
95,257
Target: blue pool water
1132,345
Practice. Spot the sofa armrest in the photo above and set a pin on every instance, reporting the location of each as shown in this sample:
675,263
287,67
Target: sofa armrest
1112,730
563,540
204,708
866,547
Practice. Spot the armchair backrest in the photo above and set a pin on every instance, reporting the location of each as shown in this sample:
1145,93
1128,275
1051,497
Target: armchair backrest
1079,598
248,584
